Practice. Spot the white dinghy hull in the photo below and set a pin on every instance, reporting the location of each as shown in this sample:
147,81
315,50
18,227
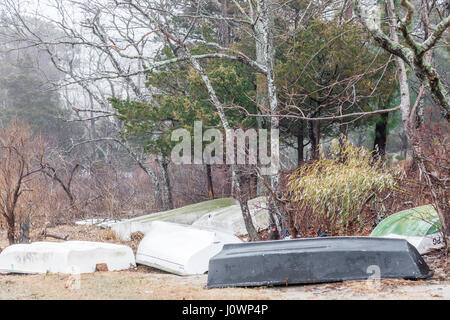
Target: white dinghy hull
184,215
71,257
181,249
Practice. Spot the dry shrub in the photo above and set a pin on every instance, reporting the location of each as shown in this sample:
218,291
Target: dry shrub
21,158
338,188
109,235
110,191
135,240
432,146
100,191
25,191
189,183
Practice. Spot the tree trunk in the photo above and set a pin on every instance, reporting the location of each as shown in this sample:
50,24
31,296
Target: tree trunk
11,227
167,190
243,200
439,200
317,136
404,144
266,39
224,29
261,86
157,190
312,140
241,181
209,182
25,231
156,185
300,151
314,137
348,11
253,185
233,183
381,135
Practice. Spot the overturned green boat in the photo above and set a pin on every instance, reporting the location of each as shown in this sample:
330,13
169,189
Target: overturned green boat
420,226
314,260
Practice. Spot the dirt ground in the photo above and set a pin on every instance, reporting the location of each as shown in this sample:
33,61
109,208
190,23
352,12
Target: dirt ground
138,285
148,283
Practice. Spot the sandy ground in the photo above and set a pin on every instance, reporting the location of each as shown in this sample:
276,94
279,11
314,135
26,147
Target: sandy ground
148,283
143,285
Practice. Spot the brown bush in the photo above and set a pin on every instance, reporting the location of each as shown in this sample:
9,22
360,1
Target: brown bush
21,156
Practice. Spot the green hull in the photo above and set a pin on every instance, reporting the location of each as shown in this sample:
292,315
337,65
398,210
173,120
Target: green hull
415,222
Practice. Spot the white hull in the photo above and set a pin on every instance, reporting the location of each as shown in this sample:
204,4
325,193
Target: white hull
423,244
230,219
71,257
181,249
184,215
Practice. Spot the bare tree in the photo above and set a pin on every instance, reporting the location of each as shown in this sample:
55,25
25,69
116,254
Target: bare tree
21,156
88,58
413,54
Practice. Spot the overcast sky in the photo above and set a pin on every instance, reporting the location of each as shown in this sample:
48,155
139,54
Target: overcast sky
47,8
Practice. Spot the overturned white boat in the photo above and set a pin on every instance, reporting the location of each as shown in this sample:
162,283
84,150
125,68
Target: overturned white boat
230,219
101,223
184,215
181,249
71,257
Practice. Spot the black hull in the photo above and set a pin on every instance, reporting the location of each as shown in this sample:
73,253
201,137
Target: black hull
315,260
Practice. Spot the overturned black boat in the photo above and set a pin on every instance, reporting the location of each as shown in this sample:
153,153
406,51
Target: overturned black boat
314,260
